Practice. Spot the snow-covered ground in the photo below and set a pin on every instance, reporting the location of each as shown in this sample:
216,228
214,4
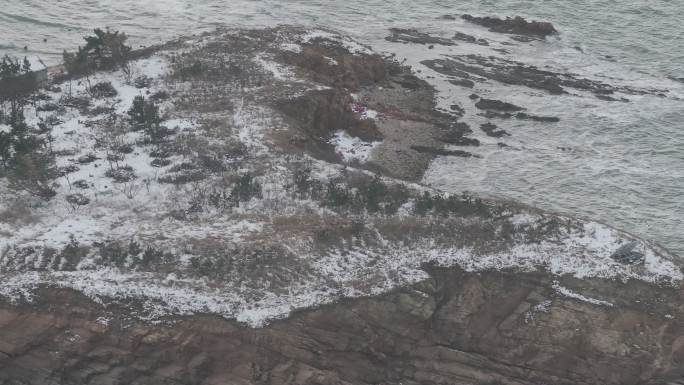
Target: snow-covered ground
302,274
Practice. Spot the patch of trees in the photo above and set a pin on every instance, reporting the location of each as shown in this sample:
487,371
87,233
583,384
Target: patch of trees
133,255
17,81
104,50
129,255
245,188
25,157
371,195
374,196
144,116
70,256
442,204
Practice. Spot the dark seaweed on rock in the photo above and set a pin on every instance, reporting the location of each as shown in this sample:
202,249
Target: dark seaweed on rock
516,25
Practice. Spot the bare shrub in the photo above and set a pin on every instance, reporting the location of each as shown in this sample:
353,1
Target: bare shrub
103,90
121,174
77,200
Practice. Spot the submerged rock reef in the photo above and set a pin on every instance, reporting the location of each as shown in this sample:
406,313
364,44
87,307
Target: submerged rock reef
270,227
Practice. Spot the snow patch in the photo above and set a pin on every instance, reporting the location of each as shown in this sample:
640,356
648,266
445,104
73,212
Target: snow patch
291,47
571,294
279,71
351,148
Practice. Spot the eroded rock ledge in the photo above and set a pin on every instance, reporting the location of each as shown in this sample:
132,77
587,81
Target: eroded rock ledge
455,327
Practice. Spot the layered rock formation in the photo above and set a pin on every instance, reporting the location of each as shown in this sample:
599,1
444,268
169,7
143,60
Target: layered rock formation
455,327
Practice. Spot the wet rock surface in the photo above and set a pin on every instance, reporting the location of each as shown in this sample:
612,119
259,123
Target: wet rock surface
463,83
493,130
456,327
414,36
498,105
470,39
455,135
515,25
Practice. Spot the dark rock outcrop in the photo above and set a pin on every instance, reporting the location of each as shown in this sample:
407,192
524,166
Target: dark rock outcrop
413,36
470,39
462,82
455,135
515,25
493,130
498,105
536,118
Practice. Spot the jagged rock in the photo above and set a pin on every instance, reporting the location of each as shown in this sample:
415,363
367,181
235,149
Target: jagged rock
492,130
457,139
470,39
413,36
491,104
516,25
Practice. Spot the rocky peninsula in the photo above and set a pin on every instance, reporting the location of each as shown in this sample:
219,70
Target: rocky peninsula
246,207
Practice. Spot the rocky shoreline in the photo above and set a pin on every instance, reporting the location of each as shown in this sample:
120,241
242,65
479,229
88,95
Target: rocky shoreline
455,327
282,235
